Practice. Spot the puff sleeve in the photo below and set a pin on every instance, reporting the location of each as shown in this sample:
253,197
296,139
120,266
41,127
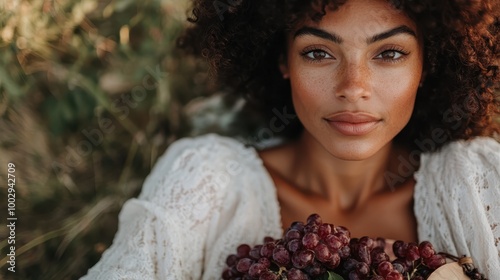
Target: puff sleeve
457,201
204,197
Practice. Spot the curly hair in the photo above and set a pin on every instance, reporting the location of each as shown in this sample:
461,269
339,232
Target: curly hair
243,41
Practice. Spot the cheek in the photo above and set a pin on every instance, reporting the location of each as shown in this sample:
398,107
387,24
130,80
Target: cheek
307,97
399,94
310,87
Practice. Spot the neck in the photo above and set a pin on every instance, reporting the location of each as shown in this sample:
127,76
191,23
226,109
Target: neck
347,184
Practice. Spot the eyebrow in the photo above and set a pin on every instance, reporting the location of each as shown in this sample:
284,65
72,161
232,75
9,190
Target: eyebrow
403,29
307,30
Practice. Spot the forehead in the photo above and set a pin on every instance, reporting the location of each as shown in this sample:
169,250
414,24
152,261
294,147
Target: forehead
360,16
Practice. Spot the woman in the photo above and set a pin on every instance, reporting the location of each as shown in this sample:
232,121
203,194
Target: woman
373,84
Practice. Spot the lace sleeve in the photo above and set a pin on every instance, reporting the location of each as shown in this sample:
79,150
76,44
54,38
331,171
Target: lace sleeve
457,201
162,233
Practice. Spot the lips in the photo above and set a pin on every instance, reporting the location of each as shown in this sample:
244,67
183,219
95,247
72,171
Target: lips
353,124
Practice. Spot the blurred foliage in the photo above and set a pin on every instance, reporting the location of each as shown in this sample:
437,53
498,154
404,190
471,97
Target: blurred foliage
91,93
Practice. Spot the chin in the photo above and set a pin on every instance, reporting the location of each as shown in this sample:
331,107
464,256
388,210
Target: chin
351,156
353,150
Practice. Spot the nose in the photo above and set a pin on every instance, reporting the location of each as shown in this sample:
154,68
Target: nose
353,83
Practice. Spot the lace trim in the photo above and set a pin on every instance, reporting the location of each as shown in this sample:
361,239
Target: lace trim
457,201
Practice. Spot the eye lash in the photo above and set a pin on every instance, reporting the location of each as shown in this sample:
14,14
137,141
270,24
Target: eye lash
310,49
398,49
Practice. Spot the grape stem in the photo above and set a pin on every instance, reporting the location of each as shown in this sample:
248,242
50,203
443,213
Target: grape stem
280,272
415,269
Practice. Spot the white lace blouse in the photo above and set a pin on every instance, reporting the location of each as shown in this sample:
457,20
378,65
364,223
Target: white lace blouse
209,194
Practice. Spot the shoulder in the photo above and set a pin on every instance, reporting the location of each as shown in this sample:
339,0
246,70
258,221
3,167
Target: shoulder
209,146
457,199
462,168
480,153
206,159
206,150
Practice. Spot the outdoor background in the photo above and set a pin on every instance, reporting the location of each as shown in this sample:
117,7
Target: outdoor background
92,92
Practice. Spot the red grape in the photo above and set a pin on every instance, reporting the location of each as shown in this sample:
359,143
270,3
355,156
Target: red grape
268,275
363,268
314,219
345,252
302,258
255,252
333,242
256,269
412,252
384,268
367,241
426,250
350,264
394,275
310,250
364,254
435,261
265,261
322,252
333,262
399,248
242,250
343,237
324,230
315,269
267,249
378,255
310,240
231,260
244,264
296,274
292,234
298,226
294,245
281,255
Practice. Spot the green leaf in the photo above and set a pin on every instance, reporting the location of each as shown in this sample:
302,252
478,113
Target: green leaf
330,275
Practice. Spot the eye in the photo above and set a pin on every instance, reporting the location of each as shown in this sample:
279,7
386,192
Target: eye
316,55
391,55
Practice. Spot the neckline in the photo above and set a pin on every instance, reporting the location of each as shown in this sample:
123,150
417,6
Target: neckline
268,171
277,208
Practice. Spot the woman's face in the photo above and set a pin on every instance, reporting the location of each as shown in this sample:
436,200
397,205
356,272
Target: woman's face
354,76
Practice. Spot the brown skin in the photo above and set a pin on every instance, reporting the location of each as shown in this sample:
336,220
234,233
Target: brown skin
326,171
387,213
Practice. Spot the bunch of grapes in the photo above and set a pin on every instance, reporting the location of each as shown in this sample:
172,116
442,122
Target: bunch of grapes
317,250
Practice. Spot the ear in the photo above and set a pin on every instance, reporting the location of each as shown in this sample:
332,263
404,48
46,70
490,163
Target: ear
283,65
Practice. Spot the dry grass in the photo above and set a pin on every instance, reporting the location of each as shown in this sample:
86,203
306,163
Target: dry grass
91,94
